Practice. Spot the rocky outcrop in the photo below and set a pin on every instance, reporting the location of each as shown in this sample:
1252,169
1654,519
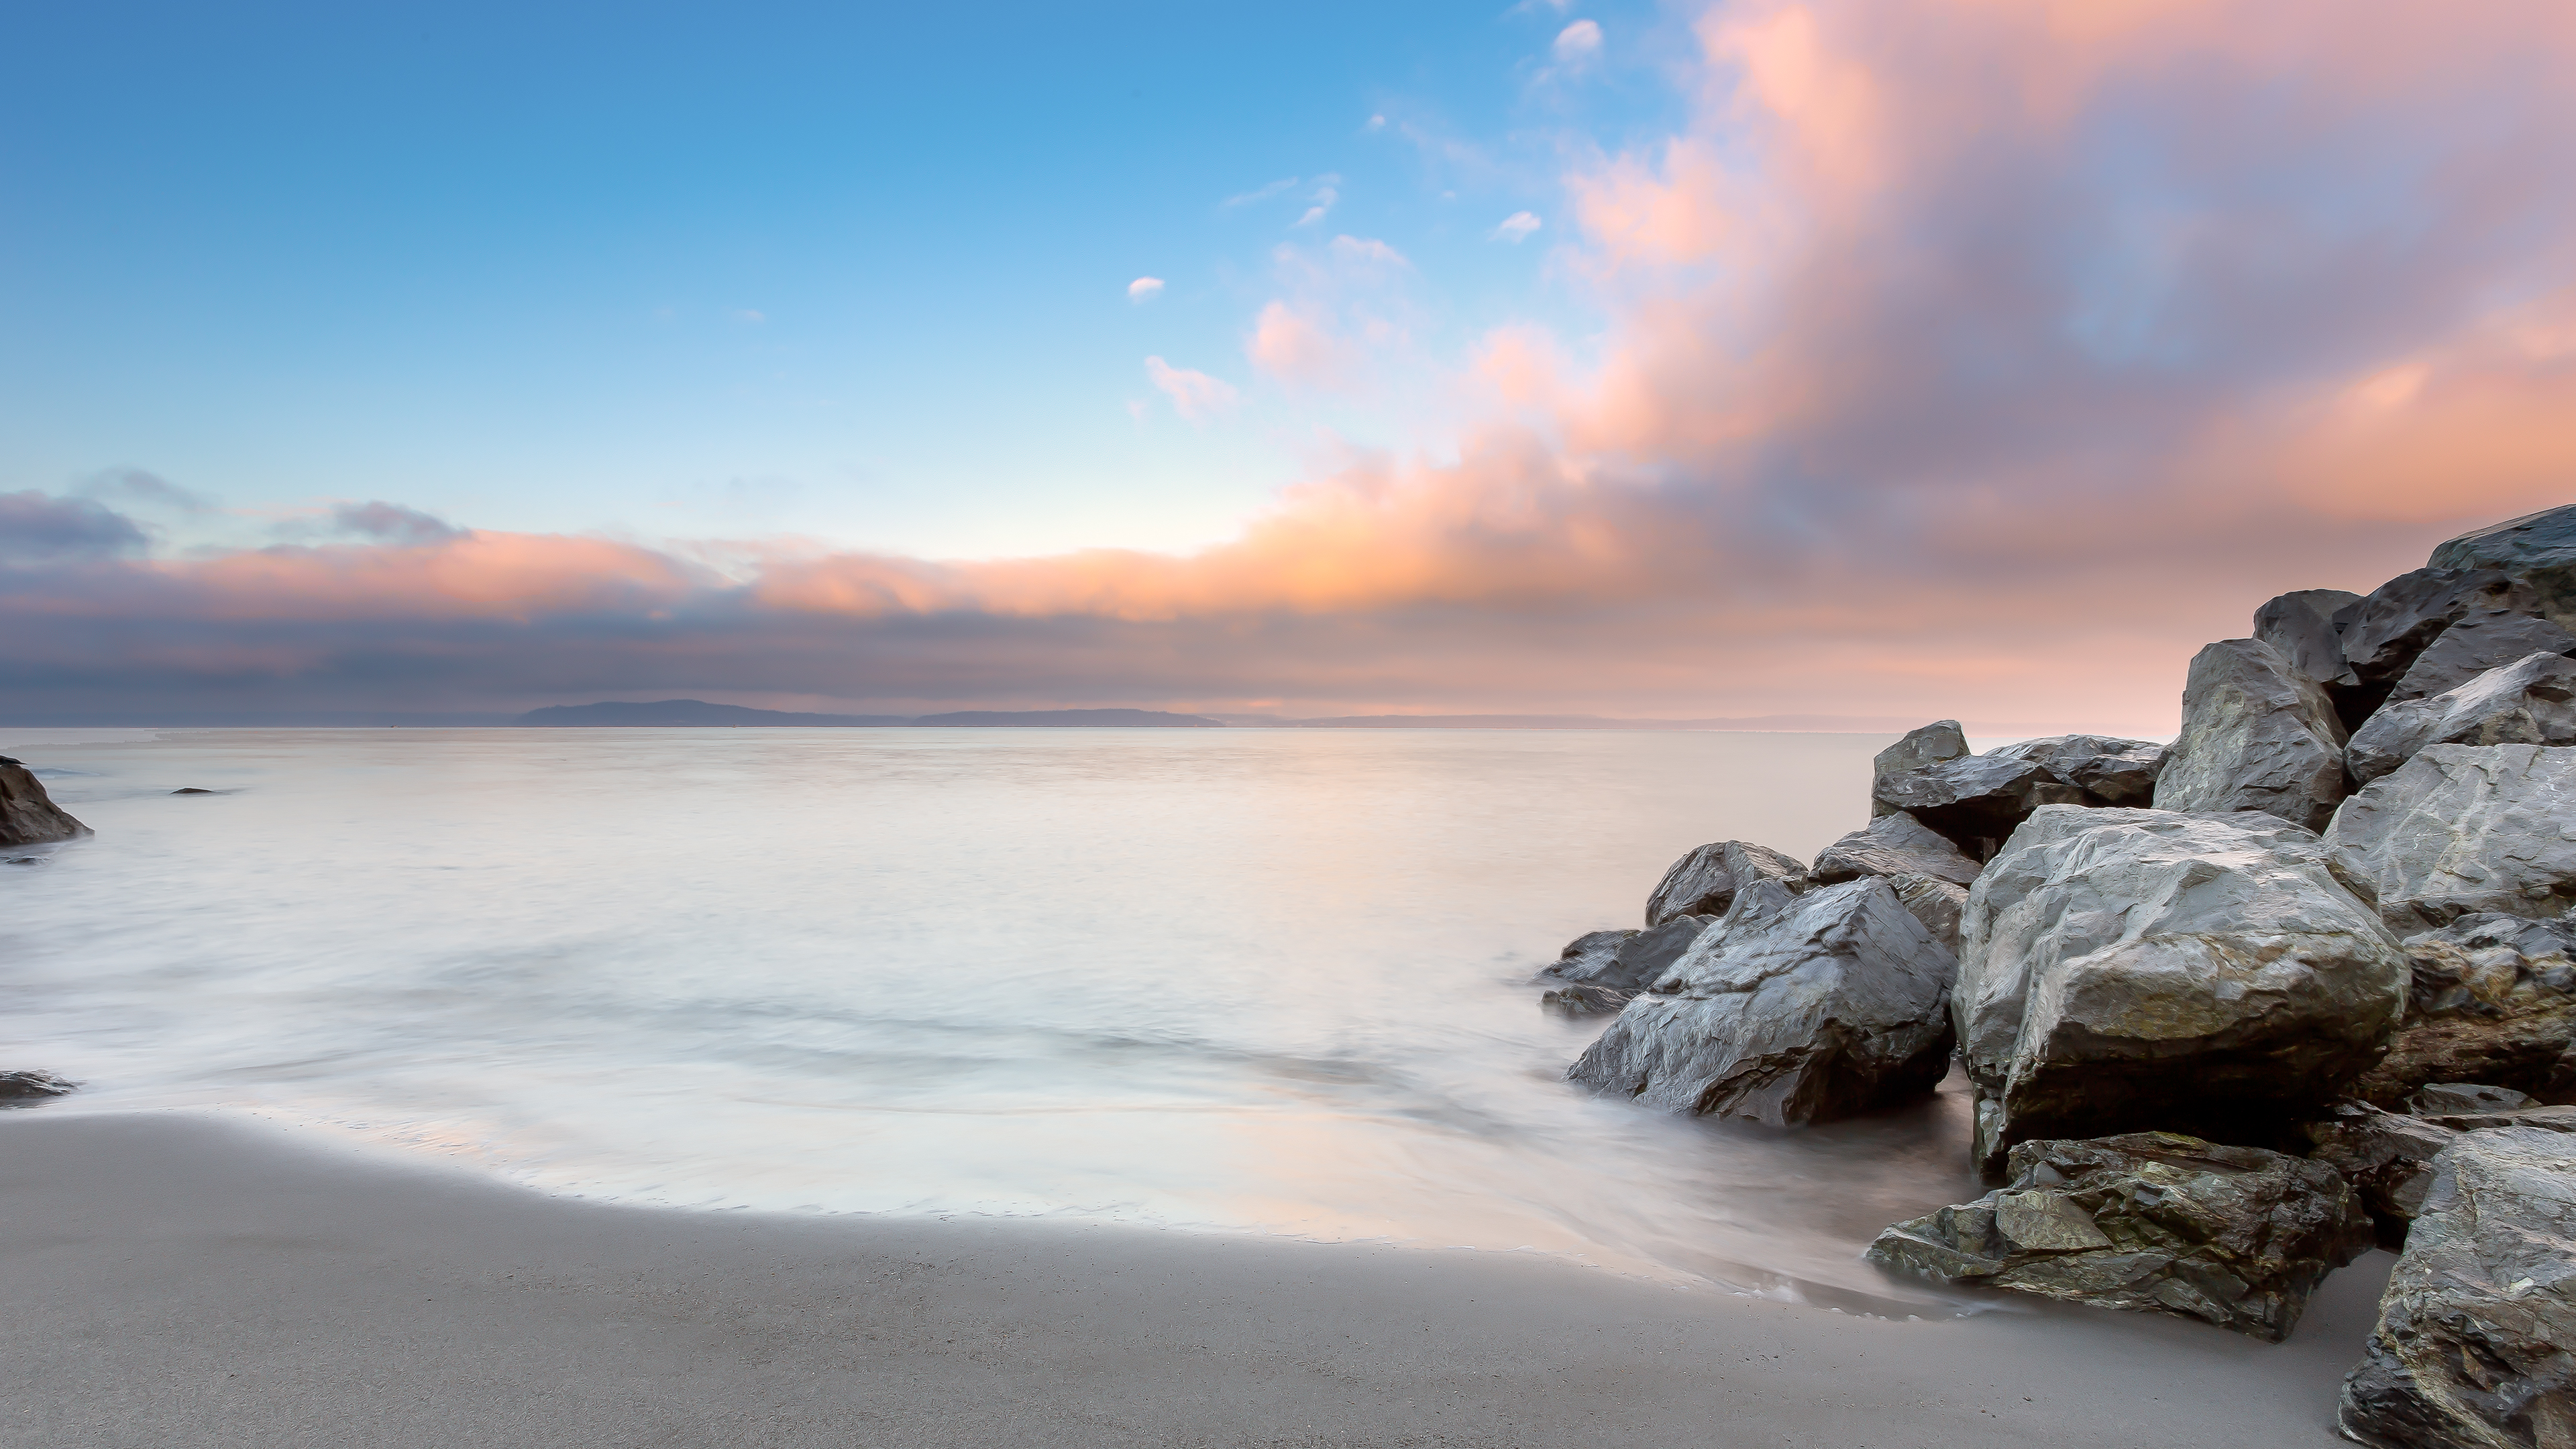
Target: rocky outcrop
28,816
1923,748
2126,969
2537,550
2300,626
1704,882
1600,971
2475,1332
2388,1156
2255,736
2461,829
1976,802
2530,701
1791,1010
2108,769
1894,845
2235,1236
2473,646
2492,1000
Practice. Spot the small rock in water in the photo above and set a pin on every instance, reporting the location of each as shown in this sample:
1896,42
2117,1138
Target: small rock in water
26,1089
2235,1236
191,790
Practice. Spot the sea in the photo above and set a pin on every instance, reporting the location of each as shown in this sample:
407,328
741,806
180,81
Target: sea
1258,981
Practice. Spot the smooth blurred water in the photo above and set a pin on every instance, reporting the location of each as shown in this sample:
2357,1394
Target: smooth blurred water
1252,980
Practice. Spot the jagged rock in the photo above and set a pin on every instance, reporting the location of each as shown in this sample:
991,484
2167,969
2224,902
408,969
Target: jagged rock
2475,1330
1600,971
2301,627
1920,749
2473,646
2386,1156
1704,882
1791,1010
2123,969
2436,1099
2537,550
1587,956
1938,904
1894,845
1583,998
2255,736
28,816
2108,769
26,1089
2464,828
2530,701
1976,801
2235,1236
2383,634
2492,999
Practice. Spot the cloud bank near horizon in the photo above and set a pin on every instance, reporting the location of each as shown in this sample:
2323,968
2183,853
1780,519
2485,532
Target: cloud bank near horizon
1977,359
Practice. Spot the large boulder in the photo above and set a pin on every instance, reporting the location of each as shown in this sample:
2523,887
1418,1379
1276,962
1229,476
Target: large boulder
2301,627
2531,701
2255,736
2537,550
2461,829
1791,1010
2108,769
1894,845
2475,1332
1976,802
1601,970
2126,969
1921,748
2235,1236
2388,1156
1940,905
1704,882
28,816
2492,999
2473,646
2383,633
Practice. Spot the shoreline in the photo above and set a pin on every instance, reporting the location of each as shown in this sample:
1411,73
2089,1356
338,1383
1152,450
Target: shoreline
183,1279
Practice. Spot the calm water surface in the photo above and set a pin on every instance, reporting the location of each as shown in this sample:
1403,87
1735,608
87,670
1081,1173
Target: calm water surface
1243,980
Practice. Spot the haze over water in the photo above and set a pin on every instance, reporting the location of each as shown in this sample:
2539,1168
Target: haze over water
1245,980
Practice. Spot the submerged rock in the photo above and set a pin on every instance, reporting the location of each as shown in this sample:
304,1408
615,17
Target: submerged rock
2475,1330
1921,749
1976,802
2537,550
2464,828
2255,736
1894,845
1600,971
28,816
2235,1236
2127,969
2529,701
1791,1010
2108,769
27,1089
2491,999
2301,627
1704,882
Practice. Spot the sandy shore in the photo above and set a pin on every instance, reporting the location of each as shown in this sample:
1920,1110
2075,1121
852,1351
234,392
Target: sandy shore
196,1281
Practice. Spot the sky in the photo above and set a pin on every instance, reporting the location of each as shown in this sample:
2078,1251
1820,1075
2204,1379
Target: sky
1840,359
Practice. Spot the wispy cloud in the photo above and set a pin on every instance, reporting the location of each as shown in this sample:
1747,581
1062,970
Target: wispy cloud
1144,289
1516,227
1577,43
1326,195
1260,193
1194,395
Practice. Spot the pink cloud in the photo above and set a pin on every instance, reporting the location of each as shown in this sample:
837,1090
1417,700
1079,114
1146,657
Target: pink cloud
1194,395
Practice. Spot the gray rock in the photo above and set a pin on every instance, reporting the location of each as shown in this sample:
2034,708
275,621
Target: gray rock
1624,962
2235,1236
1584,998
2301,627
2473,646
1704,882
28,816
2475,1330
1938,904
2537,550
2383,634
2255,736
1792,1010
1921,748
2108,769
1894,845
2386,1156
2464,828
1587,956
2492,1000
2436,1099
27,1089
1977,801
2529,701
2122,969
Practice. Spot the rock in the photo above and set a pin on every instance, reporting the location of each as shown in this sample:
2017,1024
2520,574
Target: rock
1586,956
1977,801
2121,969
1704,882
2531,701
26,1089
2300,627
2493,1000
2388,1159
191,790
1894,845
2464,828
2383,633
1583,998
1931,745
1600,971
2474,1333
1791,1010
1938,904
2475,645
28,816
2537,550
2109,770
2235,1236
2254,736
2437,1099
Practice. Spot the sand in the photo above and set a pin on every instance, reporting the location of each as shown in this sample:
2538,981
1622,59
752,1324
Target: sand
204,1281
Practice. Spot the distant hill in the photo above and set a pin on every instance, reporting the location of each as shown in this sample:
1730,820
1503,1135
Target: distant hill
1864,724
670,712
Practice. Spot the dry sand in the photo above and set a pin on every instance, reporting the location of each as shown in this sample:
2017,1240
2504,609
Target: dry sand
200,1281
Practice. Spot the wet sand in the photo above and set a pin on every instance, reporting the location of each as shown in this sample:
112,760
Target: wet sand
201,1281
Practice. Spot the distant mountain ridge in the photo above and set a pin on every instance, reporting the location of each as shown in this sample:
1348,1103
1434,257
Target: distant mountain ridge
668,713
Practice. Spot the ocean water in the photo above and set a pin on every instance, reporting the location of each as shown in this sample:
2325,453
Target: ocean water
1267,981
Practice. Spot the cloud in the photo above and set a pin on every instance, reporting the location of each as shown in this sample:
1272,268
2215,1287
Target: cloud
1259,193
1366,252
1327,193
1194,395
137,488
1144,289
1516,227
1577,43
392,523
38,528
1296,347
